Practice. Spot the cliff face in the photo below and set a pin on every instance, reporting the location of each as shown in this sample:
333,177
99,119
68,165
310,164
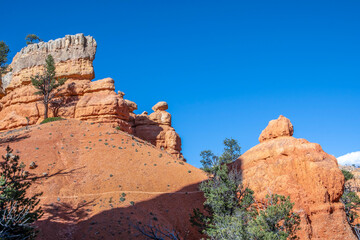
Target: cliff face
73,56
79,98
297,168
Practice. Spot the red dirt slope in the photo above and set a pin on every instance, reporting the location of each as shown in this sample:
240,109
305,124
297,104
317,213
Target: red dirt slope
98,180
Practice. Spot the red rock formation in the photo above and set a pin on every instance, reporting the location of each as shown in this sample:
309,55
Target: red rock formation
156,129
280,127
302,170
81,98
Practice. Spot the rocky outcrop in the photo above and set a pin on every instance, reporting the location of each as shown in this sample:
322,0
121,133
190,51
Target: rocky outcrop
302,170
80,97
161,106
73,56
156,128
280,127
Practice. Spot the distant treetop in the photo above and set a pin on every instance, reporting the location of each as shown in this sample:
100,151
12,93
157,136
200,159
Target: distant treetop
32,38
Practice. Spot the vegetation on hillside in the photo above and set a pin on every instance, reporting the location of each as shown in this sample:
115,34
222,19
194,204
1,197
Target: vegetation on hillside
351,202
51,119
18,210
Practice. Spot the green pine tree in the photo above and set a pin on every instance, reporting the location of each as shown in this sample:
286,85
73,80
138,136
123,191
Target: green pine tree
210,161
351,202
18,211
231,212
4,50
47,83
32,38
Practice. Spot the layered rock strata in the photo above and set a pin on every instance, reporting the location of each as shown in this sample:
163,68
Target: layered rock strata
73,57
80,97
156,128
297,168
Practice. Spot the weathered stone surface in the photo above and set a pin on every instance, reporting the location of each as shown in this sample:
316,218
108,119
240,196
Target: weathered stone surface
121,94
5,81
160,106
302,170
277,128
156,129
73,57
101,104
161,117
88,101
62,49
104,85
131,105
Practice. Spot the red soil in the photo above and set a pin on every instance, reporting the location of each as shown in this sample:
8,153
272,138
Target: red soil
85,170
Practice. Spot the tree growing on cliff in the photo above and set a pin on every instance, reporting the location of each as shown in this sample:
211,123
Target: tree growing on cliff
4,51
47,83
18,211
32,38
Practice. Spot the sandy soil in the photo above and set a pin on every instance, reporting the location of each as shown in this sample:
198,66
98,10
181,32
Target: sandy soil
97,181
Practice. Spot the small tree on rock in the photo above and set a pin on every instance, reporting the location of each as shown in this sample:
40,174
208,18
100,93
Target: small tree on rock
32,38
47,83
4,50
18,211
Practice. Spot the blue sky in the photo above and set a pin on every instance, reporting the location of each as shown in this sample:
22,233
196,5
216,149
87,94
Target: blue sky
225,68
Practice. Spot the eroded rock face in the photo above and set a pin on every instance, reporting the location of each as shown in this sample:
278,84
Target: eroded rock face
302,170
156,129
79,97
131,105
280,127
161,106
73,57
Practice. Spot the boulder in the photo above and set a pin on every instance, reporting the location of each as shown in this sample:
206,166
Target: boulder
277,128
121,94
161,118
131,105
160,106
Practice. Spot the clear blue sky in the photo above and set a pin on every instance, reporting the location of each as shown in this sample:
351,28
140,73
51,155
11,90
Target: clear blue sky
225,67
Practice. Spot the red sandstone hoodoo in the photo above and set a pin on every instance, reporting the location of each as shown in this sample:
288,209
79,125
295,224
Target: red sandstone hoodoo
297,168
